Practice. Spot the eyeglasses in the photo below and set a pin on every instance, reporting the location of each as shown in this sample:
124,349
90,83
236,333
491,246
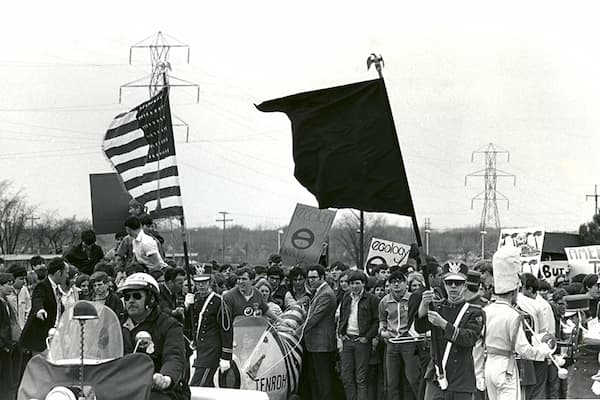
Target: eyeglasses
135,295
396,282
454,283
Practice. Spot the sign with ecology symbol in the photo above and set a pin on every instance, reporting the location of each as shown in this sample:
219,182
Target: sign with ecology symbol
388,252
306,234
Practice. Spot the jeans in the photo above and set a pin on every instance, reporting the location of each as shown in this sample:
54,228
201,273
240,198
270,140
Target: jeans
402,371
355,363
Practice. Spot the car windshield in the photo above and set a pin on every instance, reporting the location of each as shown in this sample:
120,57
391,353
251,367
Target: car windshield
103,340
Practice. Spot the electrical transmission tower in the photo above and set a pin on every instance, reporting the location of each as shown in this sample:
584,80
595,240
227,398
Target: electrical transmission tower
490,196
160,46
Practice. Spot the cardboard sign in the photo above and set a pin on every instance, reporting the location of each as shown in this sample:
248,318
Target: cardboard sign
306,234
392,253
549,270
583,260
529,241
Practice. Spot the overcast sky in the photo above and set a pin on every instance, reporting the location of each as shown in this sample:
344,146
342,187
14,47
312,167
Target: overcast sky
522,75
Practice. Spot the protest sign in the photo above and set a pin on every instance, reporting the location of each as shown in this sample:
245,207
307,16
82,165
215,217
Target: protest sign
583,259
306,234
392,253
529,241
549,270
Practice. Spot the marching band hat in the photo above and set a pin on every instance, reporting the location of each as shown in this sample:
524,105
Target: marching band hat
455,271
202,278
506,264
577,302
473,279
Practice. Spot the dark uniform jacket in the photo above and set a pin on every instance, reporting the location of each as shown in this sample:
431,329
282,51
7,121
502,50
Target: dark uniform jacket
168,302
460,371
214,338
368,315
85,262
114,303
35,330
169,349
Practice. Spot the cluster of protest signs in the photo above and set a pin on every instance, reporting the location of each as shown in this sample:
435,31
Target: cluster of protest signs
309,229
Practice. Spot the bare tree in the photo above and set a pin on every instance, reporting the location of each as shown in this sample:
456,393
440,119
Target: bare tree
14,211
589,232
347,233
54,233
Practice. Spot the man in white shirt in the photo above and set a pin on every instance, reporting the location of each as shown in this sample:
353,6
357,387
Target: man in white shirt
526,301
145,250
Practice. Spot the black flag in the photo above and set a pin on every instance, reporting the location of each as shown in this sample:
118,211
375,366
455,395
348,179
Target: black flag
345,147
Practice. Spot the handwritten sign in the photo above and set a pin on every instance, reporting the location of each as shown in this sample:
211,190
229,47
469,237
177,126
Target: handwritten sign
392,253
306,234
583,259
529,241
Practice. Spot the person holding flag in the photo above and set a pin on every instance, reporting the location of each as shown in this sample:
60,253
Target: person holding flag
214,332
459,325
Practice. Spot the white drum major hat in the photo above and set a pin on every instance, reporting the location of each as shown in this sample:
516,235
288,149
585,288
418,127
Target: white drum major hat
506,264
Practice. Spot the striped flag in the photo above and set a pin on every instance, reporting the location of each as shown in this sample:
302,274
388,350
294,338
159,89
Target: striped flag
140,146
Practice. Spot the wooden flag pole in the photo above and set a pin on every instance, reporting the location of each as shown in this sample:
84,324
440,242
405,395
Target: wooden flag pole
377,60
188,275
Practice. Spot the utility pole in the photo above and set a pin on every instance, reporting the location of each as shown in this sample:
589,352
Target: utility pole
490,196
595,196
427,232
224,220
32,218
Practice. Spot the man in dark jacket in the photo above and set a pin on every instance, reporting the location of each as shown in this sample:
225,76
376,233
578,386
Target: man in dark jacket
46,307
456,325
140,292
86,254
319,338
213,330
357,327
102,294
170,290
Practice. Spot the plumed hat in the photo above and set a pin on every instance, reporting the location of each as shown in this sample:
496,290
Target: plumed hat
454,270
506,264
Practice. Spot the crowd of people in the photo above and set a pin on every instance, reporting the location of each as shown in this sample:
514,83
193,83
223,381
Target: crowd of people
420,330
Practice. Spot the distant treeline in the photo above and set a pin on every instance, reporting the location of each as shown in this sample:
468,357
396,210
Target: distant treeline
255,245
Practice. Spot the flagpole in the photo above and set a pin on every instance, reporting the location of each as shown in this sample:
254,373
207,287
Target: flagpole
186,257
362,241
377,60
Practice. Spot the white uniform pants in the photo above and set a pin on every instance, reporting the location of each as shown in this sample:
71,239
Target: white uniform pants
500,385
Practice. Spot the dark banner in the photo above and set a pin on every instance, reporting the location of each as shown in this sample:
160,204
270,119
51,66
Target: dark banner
109,203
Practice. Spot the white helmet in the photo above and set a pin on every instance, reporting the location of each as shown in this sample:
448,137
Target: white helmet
140,280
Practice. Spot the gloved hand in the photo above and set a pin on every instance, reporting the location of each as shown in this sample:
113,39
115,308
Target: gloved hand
545,349
160,381
189,300
224,365
480,384
42,314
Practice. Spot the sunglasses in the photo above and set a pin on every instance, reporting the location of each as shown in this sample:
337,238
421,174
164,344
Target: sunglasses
135,295
454,283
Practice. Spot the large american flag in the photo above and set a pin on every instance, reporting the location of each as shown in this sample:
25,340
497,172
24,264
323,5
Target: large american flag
140,146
